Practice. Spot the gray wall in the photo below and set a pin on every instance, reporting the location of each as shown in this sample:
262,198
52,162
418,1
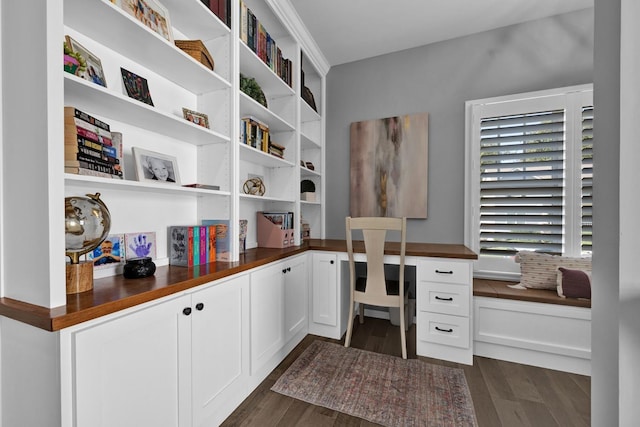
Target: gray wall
438,79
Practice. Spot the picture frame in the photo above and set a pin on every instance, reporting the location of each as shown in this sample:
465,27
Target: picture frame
93,72
110,253
195,117
136,86
152,14
155,167
142,244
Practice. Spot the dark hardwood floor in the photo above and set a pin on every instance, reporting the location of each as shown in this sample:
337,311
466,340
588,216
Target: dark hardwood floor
504,394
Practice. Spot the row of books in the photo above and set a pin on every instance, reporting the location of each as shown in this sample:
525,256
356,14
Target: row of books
191,245
90,148
258,39
256,134
222,9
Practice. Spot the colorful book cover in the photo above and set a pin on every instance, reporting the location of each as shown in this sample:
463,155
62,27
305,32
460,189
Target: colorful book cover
196,245
223,241
204,244
178,246
190,247
211,238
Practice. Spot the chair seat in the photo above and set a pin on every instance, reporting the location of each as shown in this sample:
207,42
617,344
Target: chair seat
393,286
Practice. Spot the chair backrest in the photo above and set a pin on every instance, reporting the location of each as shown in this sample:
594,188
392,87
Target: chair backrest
374,231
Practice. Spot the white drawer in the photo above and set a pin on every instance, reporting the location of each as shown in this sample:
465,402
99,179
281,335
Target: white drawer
444,298
445,271
443,329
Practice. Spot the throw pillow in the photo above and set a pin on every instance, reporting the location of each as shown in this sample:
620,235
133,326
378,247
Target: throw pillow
573,283
539,270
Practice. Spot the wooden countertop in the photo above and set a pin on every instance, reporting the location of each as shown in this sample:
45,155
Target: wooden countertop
112,294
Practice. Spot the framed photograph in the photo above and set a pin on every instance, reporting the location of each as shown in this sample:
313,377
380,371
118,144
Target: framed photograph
110,253
140,245
136,86
152,14
155,167
199,119
93,71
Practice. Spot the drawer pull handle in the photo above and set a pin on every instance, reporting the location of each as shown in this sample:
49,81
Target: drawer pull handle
444,272
444,330
444,299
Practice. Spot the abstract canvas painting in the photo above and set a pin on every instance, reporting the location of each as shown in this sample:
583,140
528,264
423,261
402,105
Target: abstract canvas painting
389,167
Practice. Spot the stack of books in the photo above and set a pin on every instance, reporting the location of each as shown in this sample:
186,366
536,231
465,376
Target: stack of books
90,148
256,134
258,39
192,245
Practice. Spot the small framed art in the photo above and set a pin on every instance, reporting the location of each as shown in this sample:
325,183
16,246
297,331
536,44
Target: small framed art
136,86
140,245
199,119
93,69
111,252
155,167
151,13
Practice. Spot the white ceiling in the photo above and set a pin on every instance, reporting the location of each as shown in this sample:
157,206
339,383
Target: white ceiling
350,30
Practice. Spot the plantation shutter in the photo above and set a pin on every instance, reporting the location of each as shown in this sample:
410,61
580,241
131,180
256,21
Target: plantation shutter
587,179
522,183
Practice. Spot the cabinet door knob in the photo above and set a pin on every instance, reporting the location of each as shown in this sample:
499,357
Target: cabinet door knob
284,271
331,262
186,311
199,306
288,268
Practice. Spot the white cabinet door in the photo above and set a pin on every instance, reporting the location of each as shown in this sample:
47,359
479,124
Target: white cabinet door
295,294
127,368
220,362
267,314
324,288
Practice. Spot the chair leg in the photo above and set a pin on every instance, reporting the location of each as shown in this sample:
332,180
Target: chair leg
361,313
403,338
347,338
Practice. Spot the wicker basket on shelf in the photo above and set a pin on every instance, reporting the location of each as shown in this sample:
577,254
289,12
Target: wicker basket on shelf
197,50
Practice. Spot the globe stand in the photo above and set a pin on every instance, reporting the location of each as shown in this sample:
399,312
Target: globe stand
79,277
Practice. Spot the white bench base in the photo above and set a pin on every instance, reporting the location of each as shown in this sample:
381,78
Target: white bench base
546,335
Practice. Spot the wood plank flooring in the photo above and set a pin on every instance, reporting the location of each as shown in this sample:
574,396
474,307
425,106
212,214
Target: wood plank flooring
504,394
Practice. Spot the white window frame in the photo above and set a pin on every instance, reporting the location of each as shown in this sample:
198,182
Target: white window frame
572,98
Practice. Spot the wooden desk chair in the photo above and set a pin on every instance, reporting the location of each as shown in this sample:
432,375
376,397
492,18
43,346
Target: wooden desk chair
375,288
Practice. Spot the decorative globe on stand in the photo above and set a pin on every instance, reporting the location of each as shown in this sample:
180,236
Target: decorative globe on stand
87,222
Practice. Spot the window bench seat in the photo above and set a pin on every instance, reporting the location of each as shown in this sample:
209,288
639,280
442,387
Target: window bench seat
531,326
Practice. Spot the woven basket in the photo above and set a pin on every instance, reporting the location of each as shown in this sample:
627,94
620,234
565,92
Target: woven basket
197,50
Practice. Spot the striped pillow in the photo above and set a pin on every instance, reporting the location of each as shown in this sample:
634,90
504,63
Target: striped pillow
539,271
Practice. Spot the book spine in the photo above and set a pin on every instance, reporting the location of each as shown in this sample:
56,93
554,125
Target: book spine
211,233
196,245
243,21
74,112
190,247
88,172
71,142
203,246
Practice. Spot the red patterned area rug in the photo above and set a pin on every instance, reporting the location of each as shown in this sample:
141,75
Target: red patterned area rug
383,389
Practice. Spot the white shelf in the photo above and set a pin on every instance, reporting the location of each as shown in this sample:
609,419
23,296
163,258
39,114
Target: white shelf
249,107
308,114
195,20
116,29
259,157
86,95
253,198
307,143
304,172
252,66
123,184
